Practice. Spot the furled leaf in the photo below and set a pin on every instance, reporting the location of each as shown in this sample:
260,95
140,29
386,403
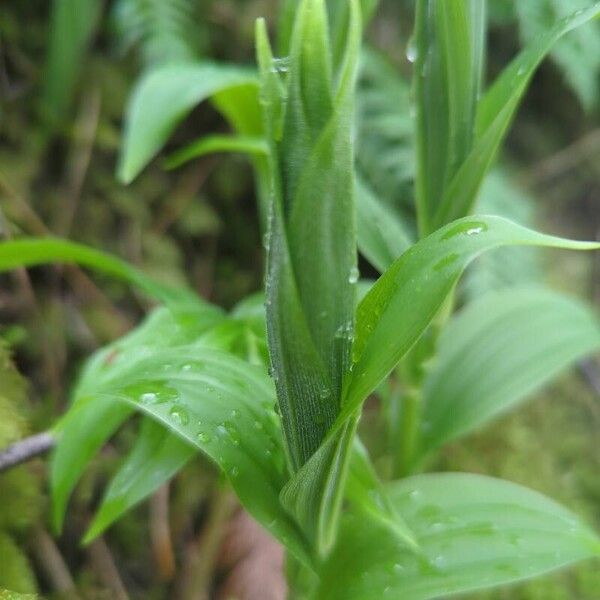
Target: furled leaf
312,256
163,98
38,251
449,39
156,456
475,532
499,350
495,113
407,296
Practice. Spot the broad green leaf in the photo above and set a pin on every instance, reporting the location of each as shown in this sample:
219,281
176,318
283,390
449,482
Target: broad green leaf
156,456
182,378
449,38
217,143
89,424
38,251
163,98
408,295
382,237
495,113
72,24
475,532
496,352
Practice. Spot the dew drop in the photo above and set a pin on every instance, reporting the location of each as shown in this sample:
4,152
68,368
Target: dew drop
234,472
353,275
179,415
235,413
203,437
148,398
411,51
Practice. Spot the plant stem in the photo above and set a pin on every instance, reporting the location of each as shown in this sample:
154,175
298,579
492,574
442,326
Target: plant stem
409,432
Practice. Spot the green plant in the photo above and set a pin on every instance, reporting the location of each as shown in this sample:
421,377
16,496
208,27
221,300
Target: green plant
289,447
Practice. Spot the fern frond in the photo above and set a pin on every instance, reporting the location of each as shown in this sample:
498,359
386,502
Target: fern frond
163,31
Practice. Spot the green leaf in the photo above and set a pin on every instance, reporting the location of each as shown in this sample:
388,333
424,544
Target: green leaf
578,56
89,424
496,352
156,456
217,143
448,72
405,299
161,101
311,267
382,236
475,532
180,376
495,113
38,251
72,24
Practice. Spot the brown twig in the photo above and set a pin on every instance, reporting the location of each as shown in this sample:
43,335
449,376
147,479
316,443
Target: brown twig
160,533
198,570
106,570
52,564
25,450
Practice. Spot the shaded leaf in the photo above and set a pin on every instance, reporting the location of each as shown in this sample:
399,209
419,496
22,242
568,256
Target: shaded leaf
156,456
161,101
475,532
496,352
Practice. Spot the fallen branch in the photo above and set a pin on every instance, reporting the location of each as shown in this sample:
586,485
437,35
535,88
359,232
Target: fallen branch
25,450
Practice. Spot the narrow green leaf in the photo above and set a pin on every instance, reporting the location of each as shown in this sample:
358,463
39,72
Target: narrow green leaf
495,113
38,251
72,24
407,296
499,350
163,98
156,456
475,532
212,144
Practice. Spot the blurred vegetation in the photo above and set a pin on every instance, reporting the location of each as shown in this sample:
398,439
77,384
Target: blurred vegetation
60,127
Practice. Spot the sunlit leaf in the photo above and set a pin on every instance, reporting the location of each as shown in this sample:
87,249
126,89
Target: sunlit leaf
161,101
499,350
475,532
